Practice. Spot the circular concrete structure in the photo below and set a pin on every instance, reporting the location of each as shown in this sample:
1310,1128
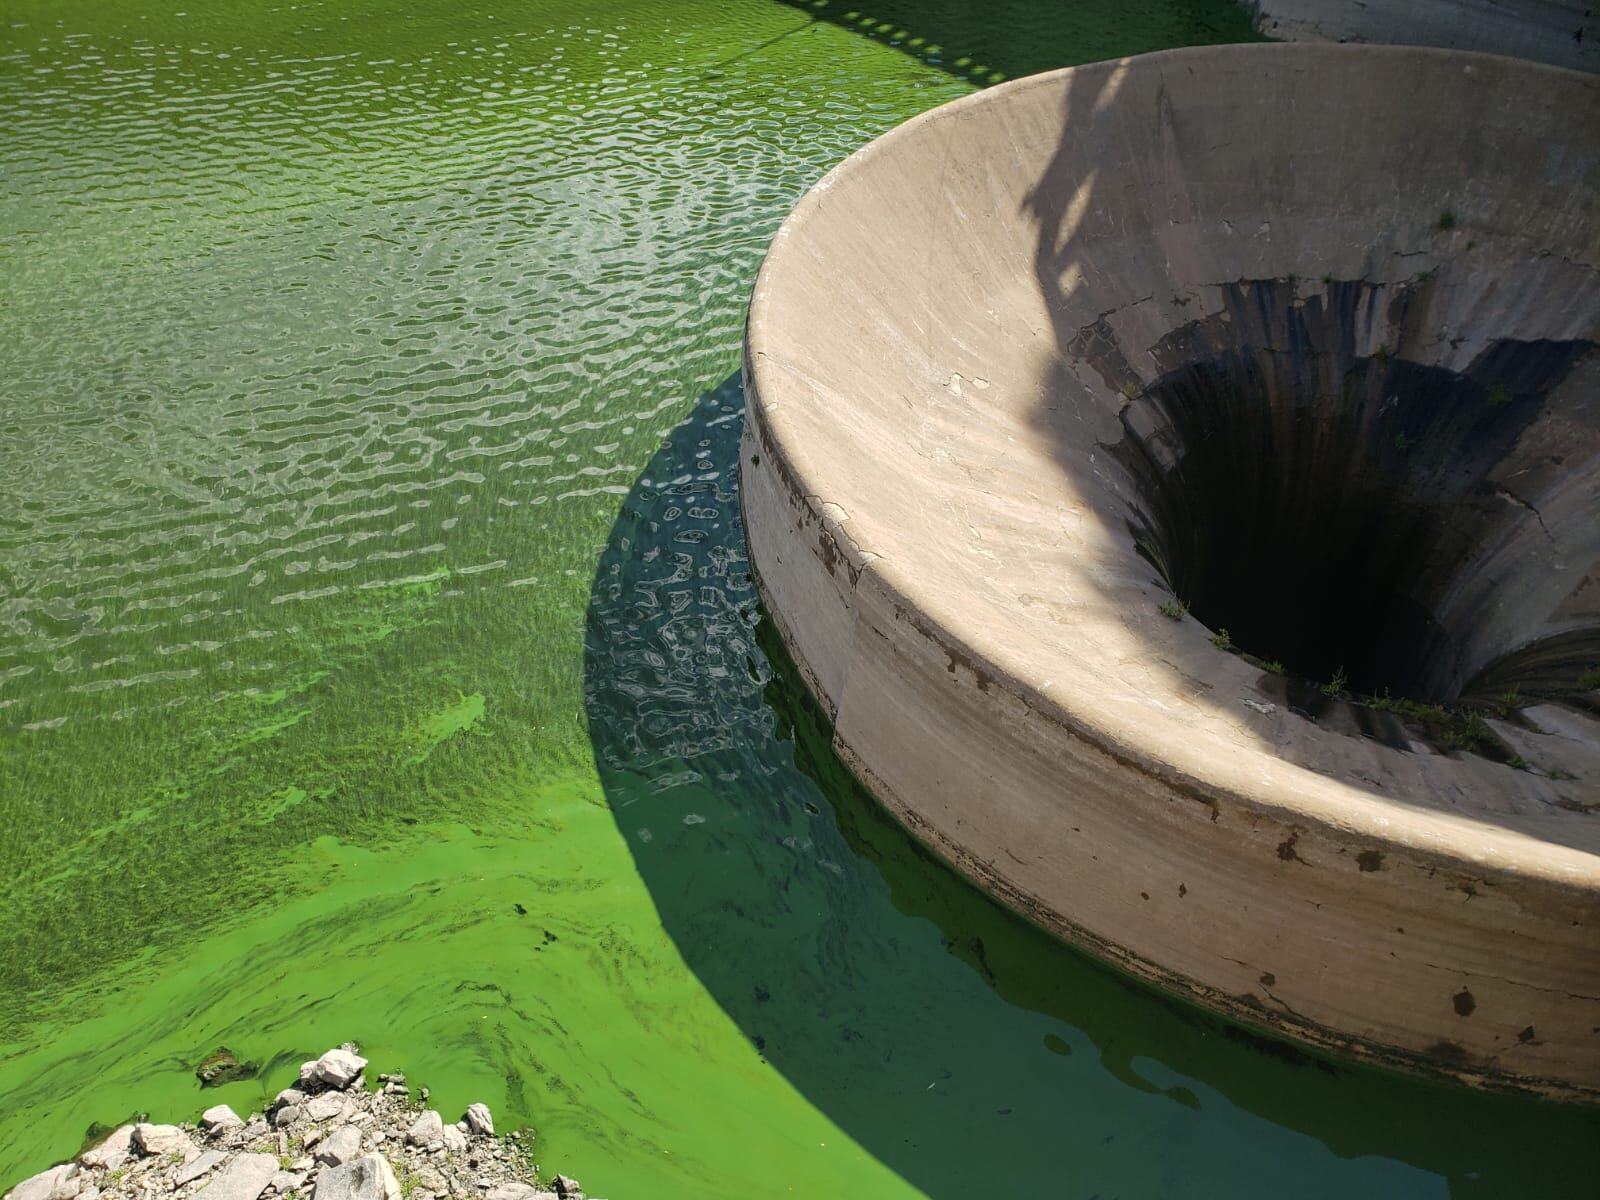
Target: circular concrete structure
1303,336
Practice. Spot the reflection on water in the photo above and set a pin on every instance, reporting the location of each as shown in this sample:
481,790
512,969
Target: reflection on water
955,1042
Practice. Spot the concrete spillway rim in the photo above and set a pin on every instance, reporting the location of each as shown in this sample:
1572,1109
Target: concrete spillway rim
1252,777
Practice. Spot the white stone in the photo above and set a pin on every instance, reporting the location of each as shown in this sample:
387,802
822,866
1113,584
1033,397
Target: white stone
340,1146
427,1129
198,1166
219,1117
455,1141
58,1183
322,1108
244,1178
285,1181
479,1119
519,1191
160,1139
368,1178
112,1152
338,1068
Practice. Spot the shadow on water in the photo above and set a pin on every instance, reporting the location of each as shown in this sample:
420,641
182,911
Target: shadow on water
965,1049
1007,39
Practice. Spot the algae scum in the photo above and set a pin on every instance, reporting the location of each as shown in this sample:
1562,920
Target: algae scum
378,657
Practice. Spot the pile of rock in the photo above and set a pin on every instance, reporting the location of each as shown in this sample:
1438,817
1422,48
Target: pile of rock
326,1138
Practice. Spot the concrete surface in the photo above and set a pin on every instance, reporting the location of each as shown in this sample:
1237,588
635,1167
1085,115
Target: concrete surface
1233,304
1564,33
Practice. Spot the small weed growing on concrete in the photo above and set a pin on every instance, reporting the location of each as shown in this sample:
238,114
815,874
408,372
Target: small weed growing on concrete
1402,443
1447,220
1336,685
1174,608
1517,763
1274,666
1499,395
1589,681
1221,640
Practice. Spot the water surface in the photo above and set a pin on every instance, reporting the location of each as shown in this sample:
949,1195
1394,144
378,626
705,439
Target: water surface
362,674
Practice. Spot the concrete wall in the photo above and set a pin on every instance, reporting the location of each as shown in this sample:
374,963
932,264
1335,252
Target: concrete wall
946,542
1564,33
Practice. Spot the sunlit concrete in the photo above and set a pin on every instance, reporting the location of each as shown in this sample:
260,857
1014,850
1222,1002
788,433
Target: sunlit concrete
988,358
1564,33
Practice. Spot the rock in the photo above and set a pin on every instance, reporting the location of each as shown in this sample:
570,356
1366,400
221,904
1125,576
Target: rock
567,1187
321,1108
112,1152
220,1117
198,1166
222,1067
338,1068
519,1191
313,1137
287,1115
479,1119
367,1178
285,1181
160,1139
58,1183
427,1129
455,1141
288,1096
340,1146
244,1178
89,1193
301,1165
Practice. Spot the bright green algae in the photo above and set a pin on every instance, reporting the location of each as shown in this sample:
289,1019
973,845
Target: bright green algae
341,343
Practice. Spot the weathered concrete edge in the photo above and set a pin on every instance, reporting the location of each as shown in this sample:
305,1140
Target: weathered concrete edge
840,568
1314,799
1544,31
816,580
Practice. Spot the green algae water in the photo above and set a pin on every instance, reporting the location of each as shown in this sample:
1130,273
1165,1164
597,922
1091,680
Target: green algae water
378,656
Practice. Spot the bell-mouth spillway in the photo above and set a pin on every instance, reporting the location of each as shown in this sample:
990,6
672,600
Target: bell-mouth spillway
1179,478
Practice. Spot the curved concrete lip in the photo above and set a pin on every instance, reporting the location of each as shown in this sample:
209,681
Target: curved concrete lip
970,369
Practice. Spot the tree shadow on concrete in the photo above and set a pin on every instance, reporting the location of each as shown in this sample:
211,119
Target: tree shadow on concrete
968,1051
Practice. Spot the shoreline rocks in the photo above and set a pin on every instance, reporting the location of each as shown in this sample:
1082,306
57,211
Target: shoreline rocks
325,1138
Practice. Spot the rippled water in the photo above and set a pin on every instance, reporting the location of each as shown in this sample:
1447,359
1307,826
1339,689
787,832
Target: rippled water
357,357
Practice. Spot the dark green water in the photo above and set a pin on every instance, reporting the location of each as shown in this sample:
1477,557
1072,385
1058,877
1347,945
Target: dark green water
377,657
